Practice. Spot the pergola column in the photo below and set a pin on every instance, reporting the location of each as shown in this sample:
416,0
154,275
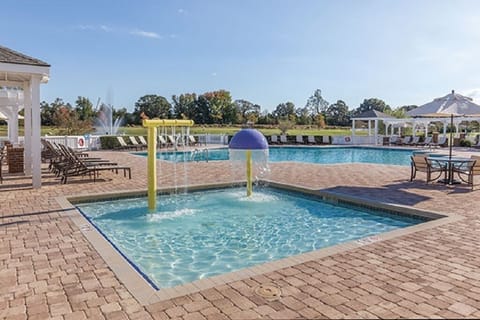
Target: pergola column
375,131
36,157
27,100
444,129
353,127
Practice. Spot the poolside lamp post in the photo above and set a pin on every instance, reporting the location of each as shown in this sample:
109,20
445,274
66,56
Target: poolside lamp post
246,141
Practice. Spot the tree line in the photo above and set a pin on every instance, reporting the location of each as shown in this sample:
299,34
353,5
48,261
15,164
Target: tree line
216,107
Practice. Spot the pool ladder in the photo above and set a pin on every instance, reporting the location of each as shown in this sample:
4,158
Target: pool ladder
197,153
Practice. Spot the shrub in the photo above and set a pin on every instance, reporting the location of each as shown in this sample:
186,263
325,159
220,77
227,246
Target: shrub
465,143
109,142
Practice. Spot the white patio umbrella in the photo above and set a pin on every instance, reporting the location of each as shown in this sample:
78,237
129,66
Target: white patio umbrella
452,105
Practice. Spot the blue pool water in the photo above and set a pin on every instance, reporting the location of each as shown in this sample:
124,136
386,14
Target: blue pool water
202,234
325,155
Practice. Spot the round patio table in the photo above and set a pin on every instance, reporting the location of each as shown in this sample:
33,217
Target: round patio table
450,164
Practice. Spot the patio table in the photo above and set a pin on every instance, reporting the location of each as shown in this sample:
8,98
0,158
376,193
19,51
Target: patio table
450,164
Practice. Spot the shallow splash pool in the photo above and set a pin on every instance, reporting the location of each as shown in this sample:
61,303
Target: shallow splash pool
320,155
206,233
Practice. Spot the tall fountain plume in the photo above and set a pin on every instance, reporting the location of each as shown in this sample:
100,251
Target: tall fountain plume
105,124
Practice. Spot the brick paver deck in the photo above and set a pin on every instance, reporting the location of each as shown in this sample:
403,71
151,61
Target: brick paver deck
48,270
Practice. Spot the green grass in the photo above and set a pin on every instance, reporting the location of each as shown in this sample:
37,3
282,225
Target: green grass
138,130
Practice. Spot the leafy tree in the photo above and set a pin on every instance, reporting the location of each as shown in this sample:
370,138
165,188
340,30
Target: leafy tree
337,114
184,105
84,108
316,103
373,104
401,112
285,111
246,111
266,118
153,106
304,116
68,122
222,109
201,114
47,112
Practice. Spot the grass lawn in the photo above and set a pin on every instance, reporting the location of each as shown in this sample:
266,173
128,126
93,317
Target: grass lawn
138,130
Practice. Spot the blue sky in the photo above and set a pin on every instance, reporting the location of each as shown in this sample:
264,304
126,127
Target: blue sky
265,51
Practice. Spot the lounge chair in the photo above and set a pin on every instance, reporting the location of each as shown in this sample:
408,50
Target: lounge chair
161,142
413,141
142,140
274,139
326,139
171,140
407,140
311,140
466,171
283,138
427,142
124,145
428,166
299,139
135,143
442,142
192,141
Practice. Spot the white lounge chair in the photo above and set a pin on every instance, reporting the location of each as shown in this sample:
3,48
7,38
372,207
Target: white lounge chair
442,142
311,140
192,141
274,139
135,142
326,139
124,145
161,142
283,138
299,139
427,141
142,140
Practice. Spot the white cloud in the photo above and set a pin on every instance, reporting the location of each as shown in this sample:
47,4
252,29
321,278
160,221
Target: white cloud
474,94
214,74
145,34
181,11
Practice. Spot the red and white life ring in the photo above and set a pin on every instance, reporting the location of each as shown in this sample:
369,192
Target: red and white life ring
80,142
347,139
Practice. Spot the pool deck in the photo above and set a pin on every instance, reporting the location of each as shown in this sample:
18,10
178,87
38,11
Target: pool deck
50,270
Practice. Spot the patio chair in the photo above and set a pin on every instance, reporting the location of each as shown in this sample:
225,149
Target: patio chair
124,145
299,139
468,170
274,139
142,140
326,139
171,140
311,140
135,143
442,142
161,142
423,164
413,141
192,141
407,140
427,142
283,138
393,140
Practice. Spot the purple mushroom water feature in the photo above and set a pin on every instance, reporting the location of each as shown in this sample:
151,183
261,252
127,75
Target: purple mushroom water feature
249,145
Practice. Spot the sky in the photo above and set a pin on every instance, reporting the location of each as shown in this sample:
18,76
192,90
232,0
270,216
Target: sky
265,51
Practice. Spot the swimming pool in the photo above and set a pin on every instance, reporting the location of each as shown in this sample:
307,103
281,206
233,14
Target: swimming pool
206,233
324,155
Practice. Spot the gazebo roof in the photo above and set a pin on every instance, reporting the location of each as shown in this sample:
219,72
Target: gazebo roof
11,56
373,114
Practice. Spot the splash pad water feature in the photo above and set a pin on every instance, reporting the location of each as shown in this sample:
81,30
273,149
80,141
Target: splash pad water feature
251,145
152,126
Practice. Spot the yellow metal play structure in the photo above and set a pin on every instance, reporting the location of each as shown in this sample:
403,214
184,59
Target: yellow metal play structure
152,126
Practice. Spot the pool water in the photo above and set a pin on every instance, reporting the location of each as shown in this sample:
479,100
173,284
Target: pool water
324,155
202,234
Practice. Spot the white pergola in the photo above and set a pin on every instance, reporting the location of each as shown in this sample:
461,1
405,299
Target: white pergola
20,79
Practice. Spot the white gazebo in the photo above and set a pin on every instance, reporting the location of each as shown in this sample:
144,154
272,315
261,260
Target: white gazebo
372,117
20,79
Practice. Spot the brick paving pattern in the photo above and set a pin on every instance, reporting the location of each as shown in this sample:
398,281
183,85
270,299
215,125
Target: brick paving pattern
48,270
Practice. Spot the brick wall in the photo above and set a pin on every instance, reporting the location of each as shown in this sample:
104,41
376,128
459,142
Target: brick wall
14,159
